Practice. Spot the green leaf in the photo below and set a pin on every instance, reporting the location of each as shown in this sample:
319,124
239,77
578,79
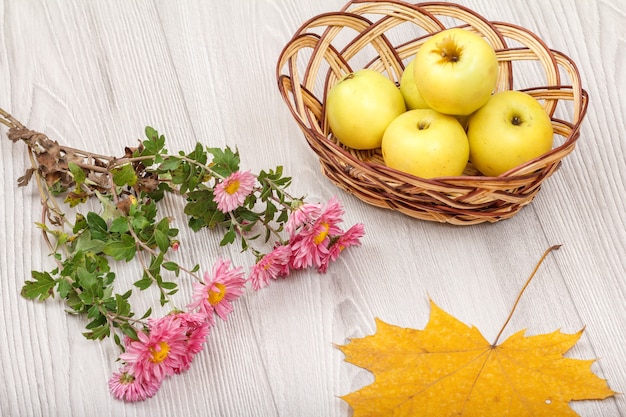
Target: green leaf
171,266
170,164
85,243
147,314
109,208
87,280
181,173
108,301
119,225
196,224
41,288
124,175
92,313
74,302
215,217
188,175
163,299
151,133
198,154
77,172
155,263
64,287
159,193
124,248
283,217
139,223
149,210
229,237
56,189
270,211
97,225
129,331
266,192
143,283
202,210
244,243
98,333
122,306
162,241
99,321
80,223
155,143
225,161
168,285
249,215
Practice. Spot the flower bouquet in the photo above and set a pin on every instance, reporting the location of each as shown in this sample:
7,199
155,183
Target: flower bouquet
98,210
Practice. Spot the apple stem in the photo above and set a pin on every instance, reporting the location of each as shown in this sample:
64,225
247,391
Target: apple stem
519,296
449,50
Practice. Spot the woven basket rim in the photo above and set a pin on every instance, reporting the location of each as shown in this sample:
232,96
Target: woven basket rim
497,24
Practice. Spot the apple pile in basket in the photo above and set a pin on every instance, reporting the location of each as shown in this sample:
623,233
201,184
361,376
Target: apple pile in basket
444,113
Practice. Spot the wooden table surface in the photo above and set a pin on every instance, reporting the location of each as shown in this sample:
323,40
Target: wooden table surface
93,74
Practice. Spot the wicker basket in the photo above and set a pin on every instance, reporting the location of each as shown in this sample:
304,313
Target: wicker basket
384,36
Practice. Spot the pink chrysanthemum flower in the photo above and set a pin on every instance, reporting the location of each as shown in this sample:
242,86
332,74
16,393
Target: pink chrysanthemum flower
333,211
159,352
271,266
125,386
351,237
304,251
220,288
196,328
303,213
232,191
310,245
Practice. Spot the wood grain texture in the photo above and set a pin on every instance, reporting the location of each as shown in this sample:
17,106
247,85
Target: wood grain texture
94,74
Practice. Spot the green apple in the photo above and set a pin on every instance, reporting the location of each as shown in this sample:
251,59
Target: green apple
456,71
511,129
412,97
360,107
426,143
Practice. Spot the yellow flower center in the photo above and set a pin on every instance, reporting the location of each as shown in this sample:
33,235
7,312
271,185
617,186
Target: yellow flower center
232,187
216,296
160,354
320,238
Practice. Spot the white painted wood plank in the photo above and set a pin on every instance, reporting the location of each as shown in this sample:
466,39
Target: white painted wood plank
93,74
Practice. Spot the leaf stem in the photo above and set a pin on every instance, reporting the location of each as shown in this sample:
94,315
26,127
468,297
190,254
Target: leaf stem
519,296
202,166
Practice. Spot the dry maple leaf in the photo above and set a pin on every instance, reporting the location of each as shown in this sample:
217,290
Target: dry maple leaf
450,369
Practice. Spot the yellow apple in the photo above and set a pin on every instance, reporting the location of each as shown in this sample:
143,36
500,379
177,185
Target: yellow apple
426,143
360,107
456,71
511,129
412,97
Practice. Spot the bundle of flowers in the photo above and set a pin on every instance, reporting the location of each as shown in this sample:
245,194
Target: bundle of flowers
120,221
